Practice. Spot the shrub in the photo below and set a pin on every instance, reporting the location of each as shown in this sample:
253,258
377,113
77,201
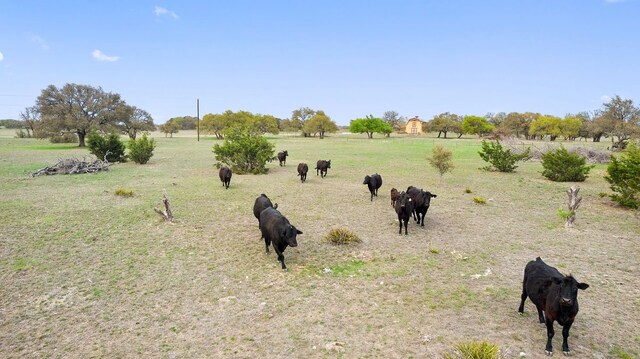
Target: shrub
141,149
602,194
109,145
441,159
124,192
467,190
500,158
475,350
561,165
67,137
480,200
624,177
338,236
244,150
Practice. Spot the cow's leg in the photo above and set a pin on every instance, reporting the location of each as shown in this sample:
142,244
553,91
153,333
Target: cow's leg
317,171
523,296
406,224
422,219
400,223
550,332
565,337
371,195
280,257
540,314
267,242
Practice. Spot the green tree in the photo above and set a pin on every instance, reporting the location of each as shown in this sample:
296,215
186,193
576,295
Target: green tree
215,124
76,108
476,125
265,124
393,119
31,119
369,125
622,119
570,127
169,128
299,117
185,122
245,150
561,165
320,123
441,159
130,120
446,122
141,150
500,158
624,177
514,124
546,126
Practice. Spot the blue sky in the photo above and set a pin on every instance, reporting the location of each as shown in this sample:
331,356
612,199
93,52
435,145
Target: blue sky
349,58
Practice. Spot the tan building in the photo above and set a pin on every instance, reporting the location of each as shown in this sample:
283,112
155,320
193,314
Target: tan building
414,126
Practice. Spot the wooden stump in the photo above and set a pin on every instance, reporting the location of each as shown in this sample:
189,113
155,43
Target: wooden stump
166,214
574,203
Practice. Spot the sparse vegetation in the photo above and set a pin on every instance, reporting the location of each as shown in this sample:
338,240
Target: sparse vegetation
480,200
124,192
468,190
441,159
341,235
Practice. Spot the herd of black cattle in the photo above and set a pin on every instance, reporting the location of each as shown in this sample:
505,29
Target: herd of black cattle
554,295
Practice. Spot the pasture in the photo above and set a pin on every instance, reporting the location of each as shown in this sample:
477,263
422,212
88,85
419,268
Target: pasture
88,274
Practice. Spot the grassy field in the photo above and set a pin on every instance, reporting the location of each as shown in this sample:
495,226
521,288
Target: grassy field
88,274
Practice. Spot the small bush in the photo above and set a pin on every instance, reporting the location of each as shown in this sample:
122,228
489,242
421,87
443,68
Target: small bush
624,177
475,350
339,236
467,190
480,200
245,150
561,165
67,137
124,192
110,144
563,213
141,150
441,160
21,134
500,158
602,194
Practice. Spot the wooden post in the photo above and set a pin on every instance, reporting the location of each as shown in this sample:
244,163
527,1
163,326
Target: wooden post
574,203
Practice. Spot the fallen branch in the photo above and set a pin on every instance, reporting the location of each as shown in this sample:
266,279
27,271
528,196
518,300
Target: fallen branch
166,214
73,166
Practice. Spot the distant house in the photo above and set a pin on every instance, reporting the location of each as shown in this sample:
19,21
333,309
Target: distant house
414,126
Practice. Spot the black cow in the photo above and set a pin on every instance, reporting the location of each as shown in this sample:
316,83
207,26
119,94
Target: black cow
276,228
302,171
373,182
394,196
554,294
322,166
421,202
262,202
282,157
225,176
404,208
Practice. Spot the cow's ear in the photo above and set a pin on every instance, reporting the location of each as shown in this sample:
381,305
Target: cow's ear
298,231
583,286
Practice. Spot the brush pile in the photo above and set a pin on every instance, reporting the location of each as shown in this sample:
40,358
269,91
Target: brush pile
73,166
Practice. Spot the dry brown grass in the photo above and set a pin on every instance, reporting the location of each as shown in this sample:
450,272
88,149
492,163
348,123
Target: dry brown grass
103,276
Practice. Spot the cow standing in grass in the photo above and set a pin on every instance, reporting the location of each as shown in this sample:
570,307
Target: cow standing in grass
404,208
276,229
322,166
225,176
302,171
421,202
262,202
555,295
282,157
373,182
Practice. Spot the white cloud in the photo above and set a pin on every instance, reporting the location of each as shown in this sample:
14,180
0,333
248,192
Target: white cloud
40,41
1,56
605,98
161,11
100,56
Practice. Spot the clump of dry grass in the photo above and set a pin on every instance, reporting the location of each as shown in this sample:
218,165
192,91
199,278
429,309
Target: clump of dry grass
467,190
475,350
124,192
339,236
480,200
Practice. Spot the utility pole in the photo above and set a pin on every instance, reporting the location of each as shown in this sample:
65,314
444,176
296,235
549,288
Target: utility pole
198,117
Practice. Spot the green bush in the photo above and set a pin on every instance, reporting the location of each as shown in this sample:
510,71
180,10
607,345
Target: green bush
141,149
561,165
244,150
624,177
67,137
124,192
500,158
101,145
441,159
480,200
